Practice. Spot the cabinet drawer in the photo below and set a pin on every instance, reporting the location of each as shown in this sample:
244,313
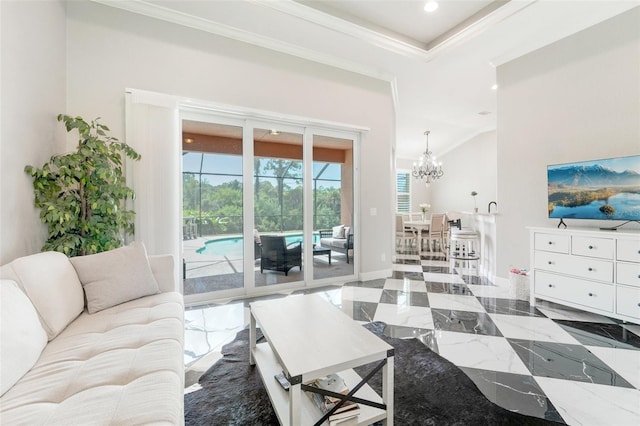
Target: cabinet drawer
628,302
601,248
551,242
628,273
574,290
593,269
629,250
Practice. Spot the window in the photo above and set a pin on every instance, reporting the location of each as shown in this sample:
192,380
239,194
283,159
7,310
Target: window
403,192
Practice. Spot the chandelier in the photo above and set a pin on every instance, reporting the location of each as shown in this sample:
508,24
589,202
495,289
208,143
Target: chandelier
427,168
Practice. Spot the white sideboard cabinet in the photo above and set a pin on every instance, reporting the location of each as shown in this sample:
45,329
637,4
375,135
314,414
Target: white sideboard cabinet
588,269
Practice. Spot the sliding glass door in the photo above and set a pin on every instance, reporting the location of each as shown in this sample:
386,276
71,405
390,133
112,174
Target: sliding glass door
265,207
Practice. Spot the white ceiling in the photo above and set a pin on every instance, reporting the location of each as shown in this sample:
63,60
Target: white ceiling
440,66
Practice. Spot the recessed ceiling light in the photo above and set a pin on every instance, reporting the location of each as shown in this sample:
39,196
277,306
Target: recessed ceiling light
494,87
430,6
274,132
188,140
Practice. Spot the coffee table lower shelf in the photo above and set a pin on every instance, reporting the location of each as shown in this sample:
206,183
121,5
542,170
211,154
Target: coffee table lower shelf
268,367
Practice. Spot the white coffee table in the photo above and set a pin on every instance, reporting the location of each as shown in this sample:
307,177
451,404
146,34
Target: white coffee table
307,338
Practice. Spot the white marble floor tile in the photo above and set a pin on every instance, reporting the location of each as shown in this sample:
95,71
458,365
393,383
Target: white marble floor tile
439,263
489,291
442,278
589,404
361,294
531,328
559,312
625,362
478,351
406,268
407,316
455,302
405,285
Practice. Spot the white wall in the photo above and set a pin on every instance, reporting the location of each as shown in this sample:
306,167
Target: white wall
471,166
33,58
577,99
110,50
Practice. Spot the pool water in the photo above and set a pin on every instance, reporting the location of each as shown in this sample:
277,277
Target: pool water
233,246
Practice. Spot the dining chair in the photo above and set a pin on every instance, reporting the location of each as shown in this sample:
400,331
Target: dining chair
435,233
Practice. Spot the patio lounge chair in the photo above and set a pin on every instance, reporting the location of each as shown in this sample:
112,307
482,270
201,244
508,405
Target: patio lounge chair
276,255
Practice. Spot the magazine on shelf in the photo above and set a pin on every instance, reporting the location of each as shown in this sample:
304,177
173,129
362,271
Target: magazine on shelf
333,383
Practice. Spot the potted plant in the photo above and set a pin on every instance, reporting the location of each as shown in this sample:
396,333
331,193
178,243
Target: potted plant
81,194
475,207
424,208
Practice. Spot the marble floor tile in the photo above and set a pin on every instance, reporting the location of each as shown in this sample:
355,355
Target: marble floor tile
464,322
442,278
515,392
474,279
407,316
362,294
436,263
407,268
566,361
405,285
509,307
426,336
455,302
531,328
605,335
625,362
592,404
359,311
479,351
397,297
448,288
379,283
489,291
560,312
408,275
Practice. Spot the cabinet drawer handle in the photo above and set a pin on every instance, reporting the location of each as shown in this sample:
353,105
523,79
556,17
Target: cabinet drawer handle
551,242
590,269
551,263
590,247
550,285
590,294
639,305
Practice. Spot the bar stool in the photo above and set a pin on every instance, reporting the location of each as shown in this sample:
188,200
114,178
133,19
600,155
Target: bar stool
465,248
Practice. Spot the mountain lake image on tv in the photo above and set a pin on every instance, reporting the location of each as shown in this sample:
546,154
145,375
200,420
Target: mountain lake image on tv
599,189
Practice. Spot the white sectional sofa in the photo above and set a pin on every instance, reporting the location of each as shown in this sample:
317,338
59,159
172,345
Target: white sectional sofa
91,340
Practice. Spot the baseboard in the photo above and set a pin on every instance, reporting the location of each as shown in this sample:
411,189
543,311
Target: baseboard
375,275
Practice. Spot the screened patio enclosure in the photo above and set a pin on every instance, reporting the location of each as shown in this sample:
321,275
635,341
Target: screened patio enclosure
215,163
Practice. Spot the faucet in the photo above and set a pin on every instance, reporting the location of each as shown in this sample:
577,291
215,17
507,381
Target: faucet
489,207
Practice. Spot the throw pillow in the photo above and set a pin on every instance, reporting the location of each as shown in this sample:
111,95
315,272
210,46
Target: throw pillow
22,339
116,276
338,231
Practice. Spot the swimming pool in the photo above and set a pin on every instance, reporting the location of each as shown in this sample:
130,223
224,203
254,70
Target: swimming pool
233,246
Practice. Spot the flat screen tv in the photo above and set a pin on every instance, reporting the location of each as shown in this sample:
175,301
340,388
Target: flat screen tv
600,189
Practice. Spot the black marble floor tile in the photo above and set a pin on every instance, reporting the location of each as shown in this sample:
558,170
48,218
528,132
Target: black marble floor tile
368,284
411,298
605,335
448,288
475,280
566,361
515,392
409,275
464,322
360,311
436,269
509,307
407,262
426,336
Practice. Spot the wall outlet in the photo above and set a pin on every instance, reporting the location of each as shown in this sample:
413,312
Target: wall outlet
373,211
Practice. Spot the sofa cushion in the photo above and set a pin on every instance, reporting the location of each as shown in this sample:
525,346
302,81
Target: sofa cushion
115,276
338,231
22,339
123,366
52,285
